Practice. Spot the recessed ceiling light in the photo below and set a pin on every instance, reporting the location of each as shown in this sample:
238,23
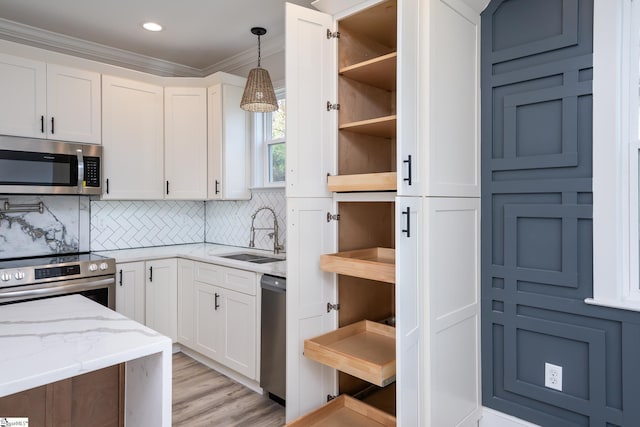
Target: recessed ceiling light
152,26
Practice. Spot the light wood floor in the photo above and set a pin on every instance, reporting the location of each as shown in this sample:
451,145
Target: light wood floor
204,397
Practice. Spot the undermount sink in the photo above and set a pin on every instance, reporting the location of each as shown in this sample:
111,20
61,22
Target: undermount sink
256,259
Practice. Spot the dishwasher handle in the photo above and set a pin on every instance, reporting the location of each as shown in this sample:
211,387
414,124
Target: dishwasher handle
273,283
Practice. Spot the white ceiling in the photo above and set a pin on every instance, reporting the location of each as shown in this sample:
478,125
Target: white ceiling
198,34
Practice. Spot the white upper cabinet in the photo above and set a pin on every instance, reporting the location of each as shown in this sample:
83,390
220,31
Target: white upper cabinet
185,143
49,101
73,104
228,144
132,122
311,133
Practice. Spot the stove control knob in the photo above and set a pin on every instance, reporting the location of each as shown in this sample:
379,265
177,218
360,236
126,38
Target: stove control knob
104,266
5,277
19,275
93,267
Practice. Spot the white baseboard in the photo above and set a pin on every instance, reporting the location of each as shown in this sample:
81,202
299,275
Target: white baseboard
493,418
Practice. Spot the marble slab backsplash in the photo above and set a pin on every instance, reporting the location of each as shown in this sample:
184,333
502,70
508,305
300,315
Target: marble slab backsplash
63,227
138,224
229,222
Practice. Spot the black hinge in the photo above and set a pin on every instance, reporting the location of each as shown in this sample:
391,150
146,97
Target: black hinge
333,34
332,217
330,397
331,106
330,307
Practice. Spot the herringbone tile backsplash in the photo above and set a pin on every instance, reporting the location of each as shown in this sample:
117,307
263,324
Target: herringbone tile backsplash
137,224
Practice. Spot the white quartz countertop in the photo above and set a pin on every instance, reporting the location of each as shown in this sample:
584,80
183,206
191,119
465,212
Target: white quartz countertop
53,339
205,252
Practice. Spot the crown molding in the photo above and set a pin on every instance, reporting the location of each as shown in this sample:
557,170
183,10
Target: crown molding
268,47
36,37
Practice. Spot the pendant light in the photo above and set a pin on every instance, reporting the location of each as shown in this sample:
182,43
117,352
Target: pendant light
259,95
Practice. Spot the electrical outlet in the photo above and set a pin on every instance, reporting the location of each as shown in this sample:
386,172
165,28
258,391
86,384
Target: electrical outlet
553,376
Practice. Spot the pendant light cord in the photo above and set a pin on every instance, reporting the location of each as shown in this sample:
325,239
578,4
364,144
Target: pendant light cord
258,50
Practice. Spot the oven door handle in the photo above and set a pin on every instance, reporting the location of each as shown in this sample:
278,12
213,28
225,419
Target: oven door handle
59,289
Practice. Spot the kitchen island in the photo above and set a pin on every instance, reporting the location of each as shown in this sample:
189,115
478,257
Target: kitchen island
50,340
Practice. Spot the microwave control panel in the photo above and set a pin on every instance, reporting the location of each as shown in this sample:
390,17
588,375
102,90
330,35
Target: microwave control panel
92,171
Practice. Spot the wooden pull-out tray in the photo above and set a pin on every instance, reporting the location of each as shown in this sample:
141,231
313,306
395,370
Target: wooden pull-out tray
374,263
364,349
383,181
345,411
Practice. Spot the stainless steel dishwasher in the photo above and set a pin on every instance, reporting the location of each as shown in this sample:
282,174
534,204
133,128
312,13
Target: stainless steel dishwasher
273,363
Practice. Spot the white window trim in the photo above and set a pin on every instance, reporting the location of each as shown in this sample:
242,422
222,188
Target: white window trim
260,160
615,192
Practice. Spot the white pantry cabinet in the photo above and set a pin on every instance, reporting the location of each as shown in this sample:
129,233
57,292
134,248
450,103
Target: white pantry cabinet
218,314
185,143
228,143
130,299
49,101
161,295
403,183
132,126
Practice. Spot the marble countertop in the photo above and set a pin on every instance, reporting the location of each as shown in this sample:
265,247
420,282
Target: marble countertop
205,252
52,339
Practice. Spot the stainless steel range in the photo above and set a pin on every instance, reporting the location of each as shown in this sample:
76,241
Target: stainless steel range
91,275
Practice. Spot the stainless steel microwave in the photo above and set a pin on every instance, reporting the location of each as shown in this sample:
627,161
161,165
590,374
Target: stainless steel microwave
42,166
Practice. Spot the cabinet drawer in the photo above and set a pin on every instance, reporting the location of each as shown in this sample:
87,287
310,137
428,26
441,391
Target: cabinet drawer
225,277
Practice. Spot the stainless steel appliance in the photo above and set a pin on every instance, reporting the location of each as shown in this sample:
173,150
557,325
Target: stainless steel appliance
273,362
41,166
91,275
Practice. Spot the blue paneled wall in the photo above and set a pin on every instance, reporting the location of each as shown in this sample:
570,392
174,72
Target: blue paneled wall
537,225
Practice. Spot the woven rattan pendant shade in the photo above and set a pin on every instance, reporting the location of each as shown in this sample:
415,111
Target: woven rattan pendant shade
259,96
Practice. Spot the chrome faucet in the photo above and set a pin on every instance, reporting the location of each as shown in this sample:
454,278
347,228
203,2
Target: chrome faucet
276,244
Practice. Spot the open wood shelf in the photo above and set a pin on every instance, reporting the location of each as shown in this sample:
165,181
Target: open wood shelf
345,411
382,181
379,72
365,349
384,127
372,263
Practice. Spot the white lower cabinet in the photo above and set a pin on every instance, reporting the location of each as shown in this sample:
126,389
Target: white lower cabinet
130,290
161,292
218,315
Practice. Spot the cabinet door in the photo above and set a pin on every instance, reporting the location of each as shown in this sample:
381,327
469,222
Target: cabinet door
409,310
23,89
132,126
186,302
208,328
311,129
161,296
238,317
229,148
31,403
130,299
185,143
308,292
73,105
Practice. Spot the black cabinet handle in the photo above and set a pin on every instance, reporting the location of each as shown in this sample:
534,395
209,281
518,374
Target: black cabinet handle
167,187
151,274
107,185
408,162
41,124
53,125
408,214
216,305
120,277
217,184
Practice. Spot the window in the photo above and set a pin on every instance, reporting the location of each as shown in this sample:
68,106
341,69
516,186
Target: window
270,147
616,154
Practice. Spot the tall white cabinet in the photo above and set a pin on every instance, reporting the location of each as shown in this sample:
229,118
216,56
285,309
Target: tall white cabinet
383,200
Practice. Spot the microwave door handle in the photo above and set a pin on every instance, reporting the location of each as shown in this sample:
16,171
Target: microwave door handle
80,170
